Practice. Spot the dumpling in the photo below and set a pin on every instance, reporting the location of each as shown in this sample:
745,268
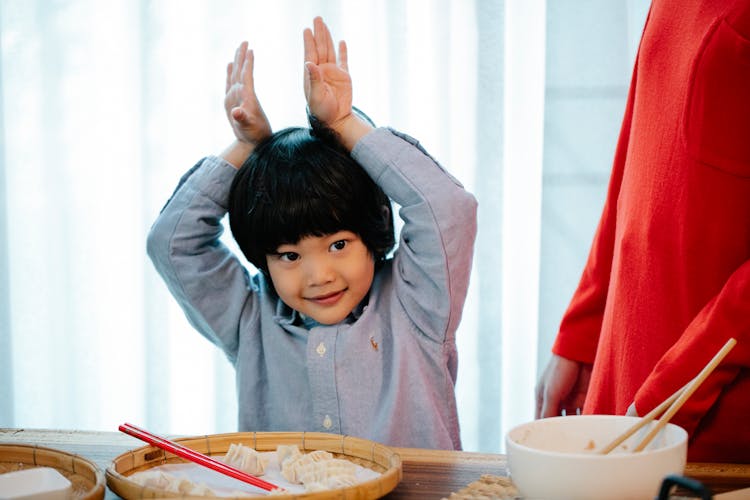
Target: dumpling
201,490
314,487
317,470
180,485
334,473
273,493
285,452
342,480
293,464
168,482
153,479
245,459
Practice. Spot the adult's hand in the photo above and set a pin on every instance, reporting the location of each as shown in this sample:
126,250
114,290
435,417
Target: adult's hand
563,386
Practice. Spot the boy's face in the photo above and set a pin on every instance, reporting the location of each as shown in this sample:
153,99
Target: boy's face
323,277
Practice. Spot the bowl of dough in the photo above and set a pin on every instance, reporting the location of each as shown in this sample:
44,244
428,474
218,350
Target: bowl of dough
560,458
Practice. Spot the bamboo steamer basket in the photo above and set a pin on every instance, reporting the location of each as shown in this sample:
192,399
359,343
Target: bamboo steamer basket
87,479
363,452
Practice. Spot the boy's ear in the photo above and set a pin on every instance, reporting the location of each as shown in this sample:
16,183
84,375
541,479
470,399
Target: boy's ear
385,211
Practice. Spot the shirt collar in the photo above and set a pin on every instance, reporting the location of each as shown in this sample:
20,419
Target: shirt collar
285,315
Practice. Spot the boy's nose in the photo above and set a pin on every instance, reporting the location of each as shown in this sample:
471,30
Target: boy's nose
320,272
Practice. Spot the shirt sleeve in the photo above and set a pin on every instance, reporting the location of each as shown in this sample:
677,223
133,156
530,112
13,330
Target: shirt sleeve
724,317
433,261
578,336
205,277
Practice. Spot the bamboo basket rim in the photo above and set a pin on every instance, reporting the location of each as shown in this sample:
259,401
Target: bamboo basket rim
86,471
367,453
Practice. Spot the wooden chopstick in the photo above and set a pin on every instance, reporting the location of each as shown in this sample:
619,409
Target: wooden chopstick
672,404
643,421
694,384
194,456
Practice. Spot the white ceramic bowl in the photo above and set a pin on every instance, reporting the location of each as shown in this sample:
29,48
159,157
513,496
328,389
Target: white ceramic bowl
555,458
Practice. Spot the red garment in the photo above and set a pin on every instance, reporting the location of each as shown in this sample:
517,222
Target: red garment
667,281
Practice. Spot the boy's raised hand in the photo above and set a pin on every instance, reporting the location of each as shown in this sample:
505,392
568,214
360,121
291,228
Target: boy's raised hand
245,114
328,85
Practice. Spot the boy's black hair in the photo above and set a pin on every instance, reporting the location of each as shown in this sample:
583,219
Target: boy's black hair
296,184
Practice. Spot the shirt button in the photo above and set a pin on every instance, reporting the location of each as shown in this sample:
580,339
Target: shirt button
321,350
327,422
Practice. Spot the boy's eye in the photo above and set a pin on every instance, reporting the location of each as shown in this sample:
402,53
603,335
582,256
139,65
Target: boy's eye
288,256
338,245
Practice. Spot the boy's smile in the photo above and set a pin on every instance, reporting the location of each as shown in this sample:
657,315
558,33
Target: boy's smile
323,277
328,298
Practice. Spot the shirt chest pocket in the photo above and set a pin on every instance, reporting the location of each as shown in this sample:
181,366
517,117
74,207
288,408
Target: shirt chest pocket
716,123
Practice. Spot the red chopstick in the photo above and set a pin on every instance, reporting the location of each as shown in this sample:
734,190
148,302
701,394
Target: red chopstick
194,456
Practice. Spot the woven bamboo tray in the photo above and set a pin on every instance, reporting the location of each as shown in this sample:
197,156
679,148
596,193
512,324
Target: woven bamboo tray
87,479
366,453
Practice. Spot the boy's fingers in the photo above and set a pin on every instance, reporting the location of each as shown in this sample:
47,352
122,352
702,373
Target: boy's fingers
311,53
313,82
322,41
330,51
240,116
241,63
247,69
239,59
320,46
229,77
343,56
234,64
313,73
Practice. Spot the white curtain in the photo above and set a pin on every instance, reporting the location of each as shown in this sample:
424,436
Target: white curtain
104,106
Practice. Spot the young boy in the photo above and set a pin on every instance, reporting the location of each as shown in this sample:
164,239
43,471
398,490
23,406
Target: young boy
331,335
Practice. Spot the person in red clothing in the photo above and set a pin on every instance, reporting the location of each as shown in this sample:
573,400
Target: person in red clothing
667,281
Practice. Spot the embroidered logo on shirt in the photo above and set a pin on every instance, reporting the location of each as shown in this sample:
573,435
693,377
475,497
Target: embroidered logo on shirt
373,343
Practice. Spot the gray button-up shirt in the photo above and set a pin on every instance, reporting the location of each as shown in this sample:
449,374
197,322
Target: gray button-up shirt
386,373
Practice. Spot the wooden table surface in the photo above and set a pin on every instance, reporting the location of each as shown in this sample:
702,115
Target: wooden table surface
427,474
